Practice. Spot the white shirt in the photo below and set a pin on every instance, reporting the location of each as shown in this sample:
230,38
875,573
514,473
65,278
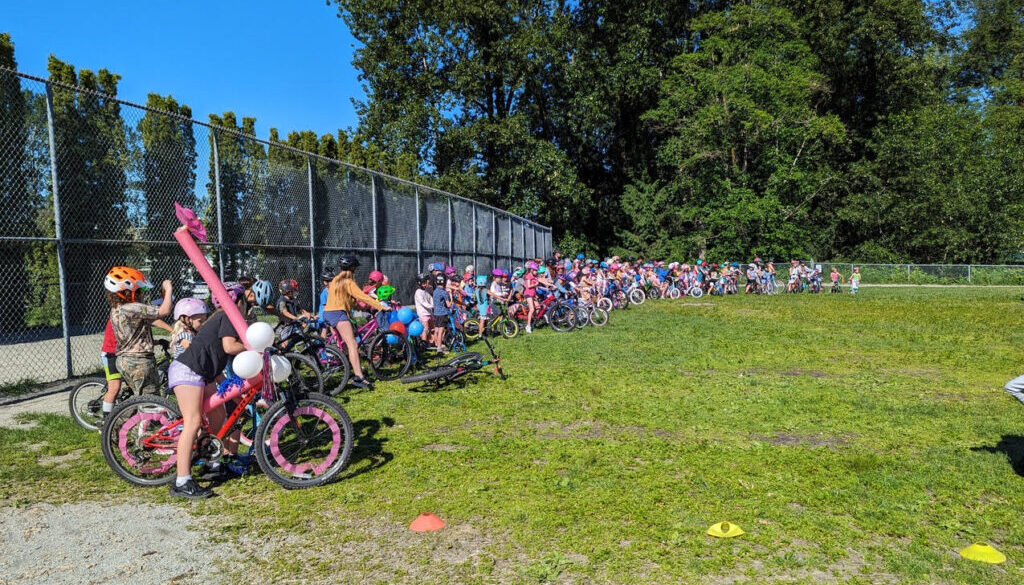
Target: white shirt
424,303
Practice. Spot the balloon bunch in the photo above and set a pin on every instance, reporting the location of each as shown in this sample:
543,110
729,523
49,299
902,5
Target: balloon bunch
250,363
405,325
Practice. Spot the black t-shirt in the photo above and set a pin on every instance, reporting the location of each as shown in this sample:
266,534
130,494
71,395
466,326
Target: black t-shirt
205,355
286,304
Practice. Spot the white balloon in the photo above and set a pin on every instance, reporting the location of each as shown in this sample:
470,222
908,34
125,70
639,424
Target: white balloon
248,364
260,336
280,368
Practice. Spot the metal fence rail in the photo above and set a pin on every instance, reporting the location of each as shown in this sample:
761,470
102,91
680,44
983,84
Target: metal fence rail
949,274
88,181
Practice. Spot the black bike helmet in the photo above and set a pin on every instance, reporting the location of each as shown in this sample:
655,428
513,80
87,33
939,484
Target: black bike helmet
349,263
328,273
422,277
440,280
288,285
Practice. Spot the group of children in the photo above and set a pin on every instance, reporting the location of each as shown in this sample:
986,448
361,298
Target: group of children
202,342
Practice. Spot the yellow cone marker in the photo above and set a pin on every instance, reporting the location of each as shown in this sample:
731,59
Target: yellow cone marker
984,553
725,530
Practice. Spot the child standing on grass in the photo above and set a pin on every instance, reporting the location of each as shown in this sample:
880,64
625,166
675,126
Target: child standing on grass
132,323
441,310
424,302
855,280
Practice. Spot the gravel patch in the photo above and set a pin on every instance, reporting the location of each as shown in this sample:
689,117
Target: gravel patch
52,403
90,542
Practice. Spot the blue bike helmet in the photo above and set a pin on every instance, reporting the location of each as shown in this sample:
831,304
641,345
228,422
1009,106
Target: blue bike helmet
262,292
604,265
579,256
481,280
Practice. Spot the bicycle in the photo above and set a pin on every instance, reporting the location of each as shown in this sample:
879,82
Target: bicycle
457,367
86,399
302,439
332,364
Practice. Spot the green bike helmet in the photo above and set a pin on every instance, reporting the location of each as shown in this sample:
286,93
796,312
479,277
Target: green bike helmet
519,273
384,293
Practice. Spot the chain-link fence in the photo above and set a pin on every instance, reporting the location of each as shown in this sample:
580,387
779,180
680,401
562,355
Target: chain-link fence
946,274
88,182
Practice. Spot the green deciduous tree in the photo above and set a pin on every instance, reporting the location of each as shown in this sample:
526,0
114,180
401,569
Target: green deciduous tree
744,151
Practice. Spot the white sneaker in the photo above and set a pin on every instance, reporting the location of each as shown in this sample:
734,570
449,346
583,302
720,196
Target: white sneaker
529,329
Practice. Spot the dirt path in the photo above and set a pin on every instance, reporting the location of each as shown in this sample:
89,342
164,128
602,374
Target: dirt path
51,403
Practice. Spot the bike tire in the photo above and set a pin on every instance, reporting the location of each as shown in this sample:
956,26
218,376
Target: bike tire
654,294
335,369
285,465
86,402
604,303
509,328
472,329
430,376
389,361
598,317
125,454
560,319
582,316
305,376
674,293
696,292
637,296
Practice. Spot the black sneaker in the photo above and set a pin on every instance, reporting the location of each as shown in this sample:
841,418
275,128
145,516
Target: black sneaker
190,490
360,382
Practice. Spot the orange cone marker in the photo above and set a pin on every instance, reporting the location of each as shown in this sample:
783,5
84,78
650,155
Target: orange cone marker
426,522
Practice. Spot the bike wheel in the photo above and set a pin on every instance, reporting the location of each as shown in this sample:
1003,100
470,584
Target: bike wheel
696,292
334,369
472,329
582,317
127,425
431,376
390,356
86,402
305,376
674,293
307,442
508,327
604,303
561,318
598,317
654,294
454,340
637,297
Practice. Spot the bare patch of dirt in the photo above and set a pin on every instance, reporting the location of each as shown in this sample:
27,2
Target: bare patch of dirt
794,440
444,447
91,542
60,460
854,565
811,373
589,429
381,550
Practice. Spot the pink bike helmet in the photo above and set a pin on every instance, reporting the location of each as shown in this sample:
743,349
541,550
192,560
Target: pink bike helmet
376,276
531,265
189,307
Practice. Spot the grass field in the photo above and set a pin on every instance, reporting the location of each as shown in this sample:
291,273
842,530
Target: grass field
855,439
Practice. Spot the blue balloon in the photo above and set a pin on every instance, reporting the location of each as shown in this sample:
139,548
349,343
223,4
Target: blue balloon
415,328
393,339
406,315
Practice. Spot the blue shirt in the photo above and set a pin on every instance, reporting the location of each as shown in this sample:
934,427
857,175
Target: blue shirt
440,299
323,303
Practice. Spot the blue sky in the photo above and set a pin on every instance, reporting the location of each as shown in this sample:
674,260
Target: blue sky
288,63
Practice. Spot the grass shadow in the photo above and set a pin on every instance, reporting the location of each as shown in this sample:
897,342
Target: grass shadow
1010,445
368,451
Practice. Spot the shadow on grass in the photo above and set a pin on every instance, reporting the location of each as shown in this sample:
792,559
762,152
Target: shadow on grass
368,451
1010,445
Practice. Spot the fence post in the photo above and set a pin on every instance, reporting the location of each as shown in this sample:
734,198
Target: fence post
908,273
522,238
494,240
476,243
312,237
451,233
373,207
969,281
59,234
216,192
419,233
511,244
